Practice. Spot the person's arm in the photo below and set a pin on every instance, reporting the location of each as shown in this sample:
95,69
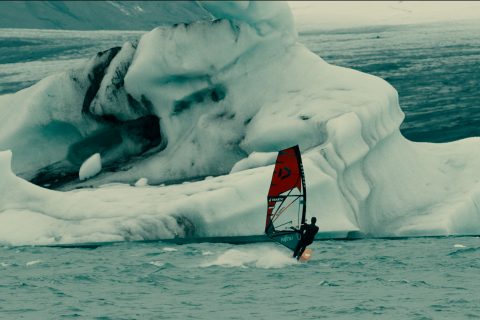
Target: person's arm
303,228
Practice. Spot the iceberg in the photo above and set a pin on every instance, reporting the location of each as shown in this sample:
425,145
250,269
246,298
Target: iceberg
199,111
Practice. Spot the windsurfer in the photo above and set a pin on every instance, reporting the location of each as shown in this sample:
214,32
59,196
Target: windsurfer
307,235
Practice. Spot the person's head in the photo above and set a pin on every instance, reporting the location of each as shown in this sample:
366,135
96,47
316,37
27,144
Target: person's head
314,220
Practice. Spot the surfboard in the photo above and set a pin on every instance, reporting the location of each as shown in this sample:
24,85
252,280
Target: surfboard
286,199
307,254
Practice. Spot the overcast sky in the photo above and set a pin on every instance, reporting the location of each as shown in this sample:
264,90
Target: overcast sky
345,14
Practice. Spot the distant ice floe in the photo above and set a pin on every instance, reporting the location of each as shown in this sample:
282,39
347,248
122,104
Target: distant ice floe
218,99
157,263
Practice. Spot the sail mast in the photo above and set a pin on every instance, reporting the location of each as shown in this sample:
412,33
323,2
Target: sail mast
302,175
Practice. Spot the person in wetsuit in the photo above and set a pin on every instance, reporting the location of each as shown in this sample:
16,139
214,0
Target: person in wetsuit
307,235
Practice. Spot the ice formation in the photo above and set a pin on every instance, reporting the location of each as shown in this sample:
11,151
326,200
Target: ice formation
91,167
210,103
142,182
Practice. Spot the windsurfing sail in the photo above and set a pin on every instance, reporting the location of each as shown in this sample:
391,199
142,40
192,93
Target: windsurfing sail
286,199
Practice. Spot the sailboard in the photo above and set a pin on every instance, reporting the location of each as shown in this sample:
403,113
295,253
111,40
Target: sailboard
286,199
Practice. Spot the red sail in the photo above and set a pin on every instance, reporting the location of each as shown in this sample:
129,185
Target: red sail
286,189
286,174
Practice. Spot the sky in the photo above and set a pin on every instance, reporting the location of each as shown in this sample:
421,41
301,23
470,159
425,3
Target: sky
344,14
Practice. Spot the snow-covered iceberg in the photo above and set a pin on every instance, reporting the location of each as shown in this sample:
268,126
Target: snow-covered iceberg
200,110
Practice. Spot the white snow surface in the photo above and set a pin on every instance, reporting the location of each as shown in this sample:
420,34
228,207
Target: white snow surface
91,167
229,94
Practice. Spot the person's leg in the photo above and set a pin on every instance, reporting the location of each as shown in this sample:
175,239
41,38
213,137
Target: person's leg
297,248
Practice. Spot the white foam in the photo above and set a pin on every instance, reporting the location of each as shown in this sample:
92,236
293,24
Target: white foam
169,249
265,257
31,263
157,263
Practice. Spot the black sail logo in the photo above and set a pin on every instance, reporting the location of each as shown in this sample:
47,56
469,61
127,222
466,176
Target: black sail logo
284,173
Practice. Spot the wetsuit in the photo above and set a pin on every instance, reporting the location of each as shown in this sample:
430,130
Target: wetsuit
307,235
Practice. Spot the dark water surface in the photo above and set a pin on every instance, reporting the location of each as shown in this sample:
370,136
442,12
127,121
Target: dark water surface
425,278
434,67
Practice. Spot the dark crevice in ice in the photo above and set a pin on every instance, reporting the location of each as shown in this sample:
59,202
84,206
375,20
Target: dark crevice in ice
119,145
187,225
214,94
96,75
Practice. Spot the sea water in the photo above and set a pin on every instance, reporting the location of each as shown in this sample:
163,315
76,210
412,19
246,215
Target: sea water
417,278
435,69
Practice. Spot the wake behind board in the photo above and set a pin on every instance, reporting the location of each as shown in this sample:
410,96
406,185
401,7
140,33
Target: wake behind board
286,199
